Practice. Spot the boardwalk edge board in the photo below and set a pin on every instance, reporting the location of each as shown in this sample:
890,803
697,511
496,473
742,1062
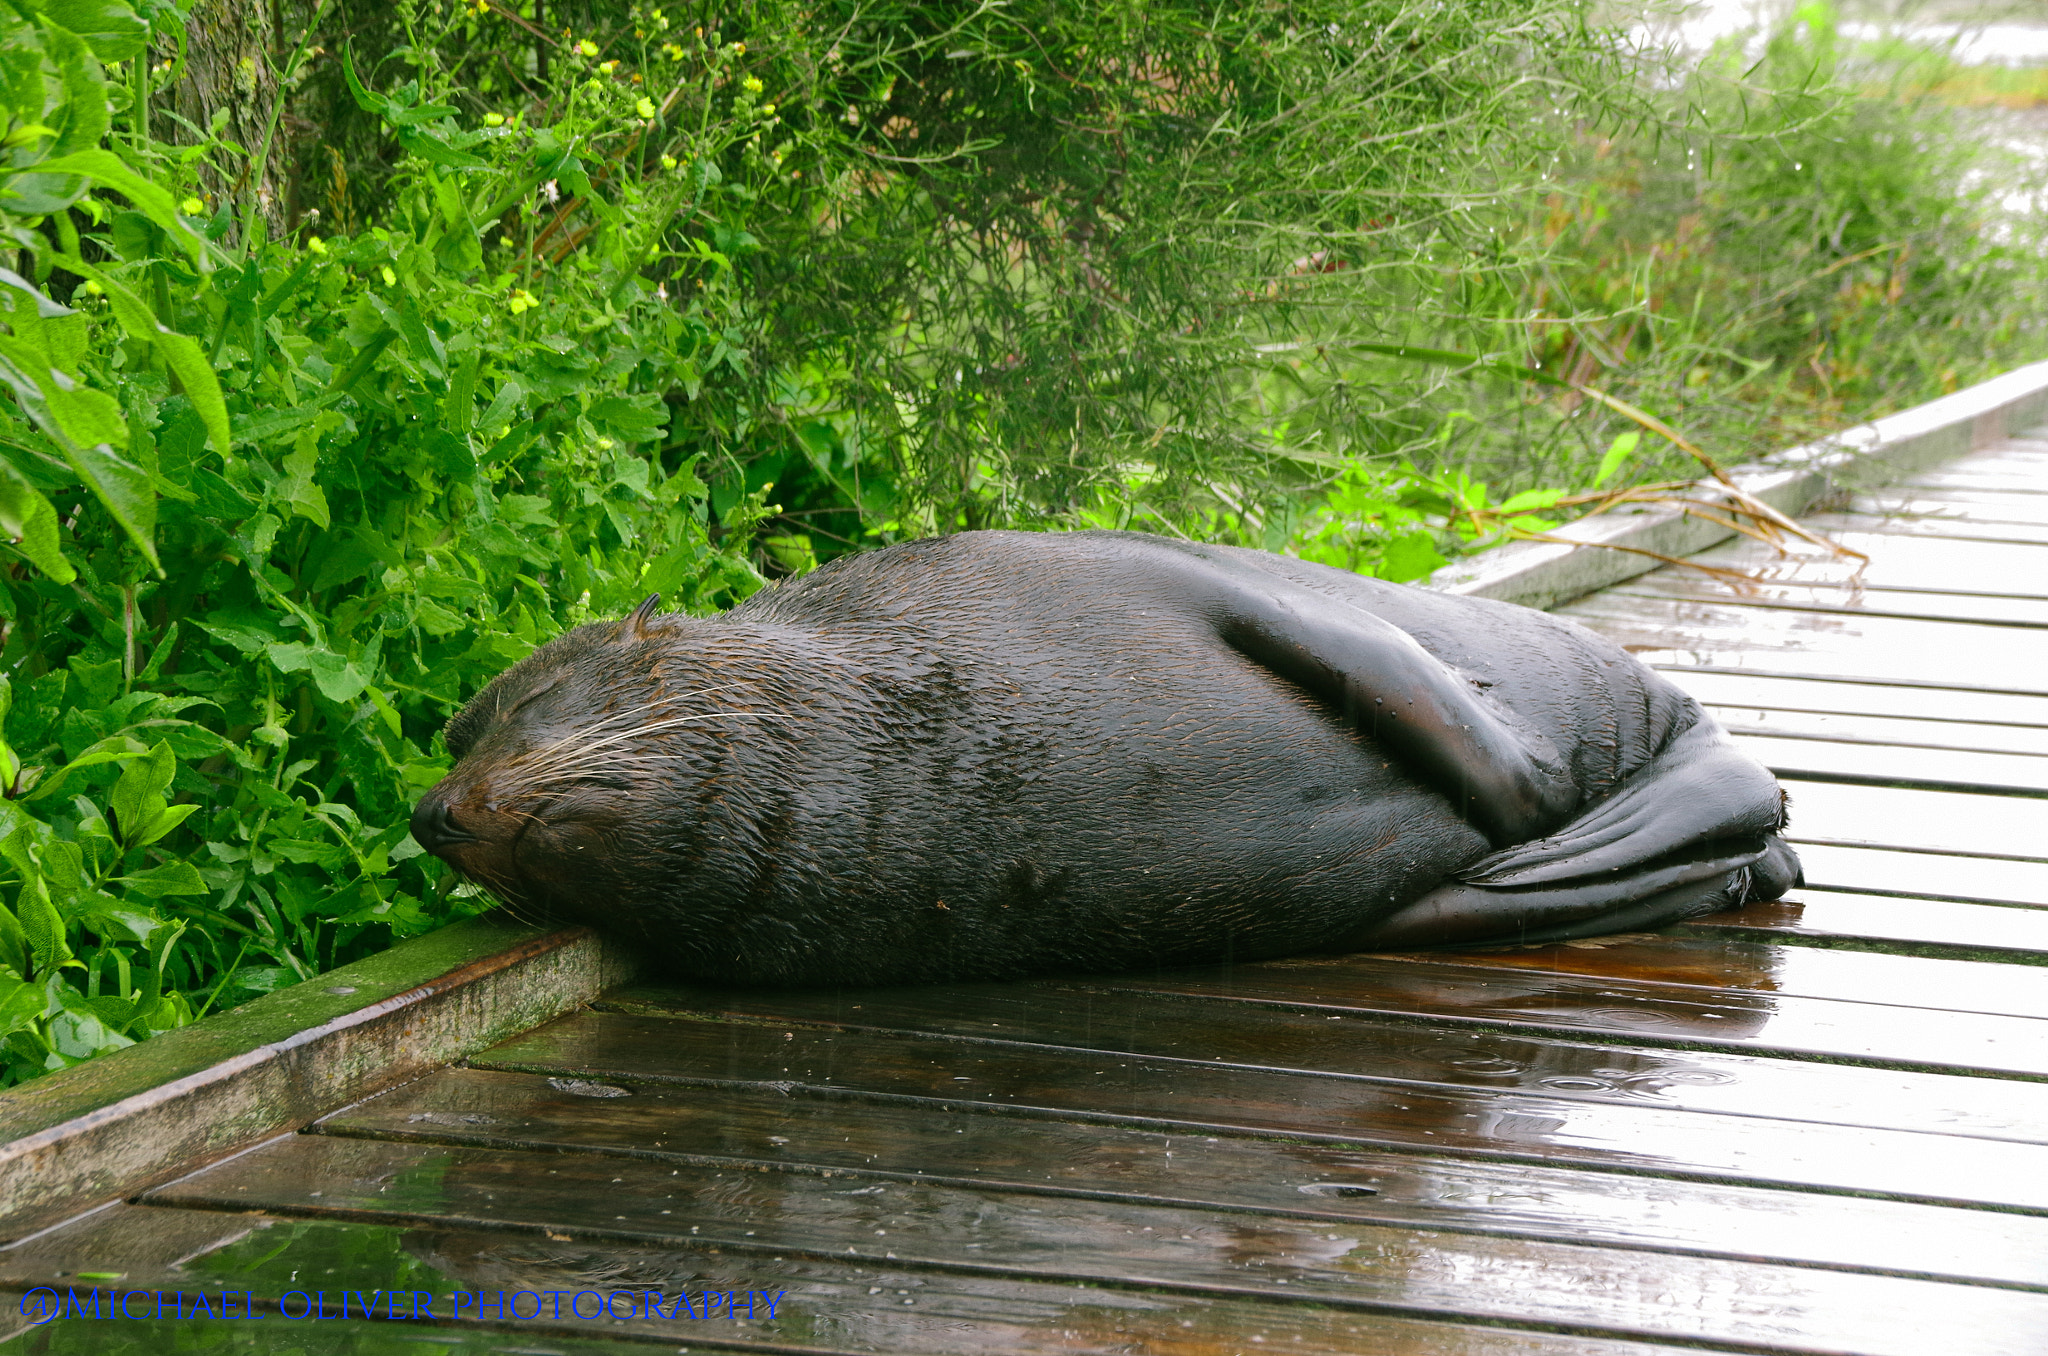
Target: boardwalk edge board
1547,573
115,1124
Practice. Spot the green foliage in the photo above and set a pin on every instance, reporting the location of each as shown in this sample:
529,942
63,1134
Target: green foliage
679,302
281,506
1821,243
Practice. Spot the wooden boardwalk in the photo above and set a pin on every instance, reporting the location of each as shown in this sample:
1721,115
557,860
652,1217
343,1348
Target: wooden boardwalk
1818,1125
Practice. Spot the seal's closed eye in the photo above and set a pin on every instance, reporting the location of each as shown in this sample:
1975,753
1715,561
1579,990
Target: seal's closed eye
473,720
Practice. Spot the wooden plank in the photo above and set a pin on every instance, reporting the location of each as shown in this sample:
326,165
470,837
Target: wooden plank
1924,875
1962,505
1722,964
1940,821
126,1118
1212,1097
1915,565
1833,596
1890,1037
1825,758
1842,918
997,1233
2003,480
1124,1016
1925,522
1933,706
1895,561
857,1308
1865,648
1901,731
834,1137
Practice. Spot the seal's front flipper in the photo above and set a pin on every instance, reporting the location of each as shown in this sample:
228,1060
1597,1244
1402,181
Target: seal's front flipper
1506,780
1700,789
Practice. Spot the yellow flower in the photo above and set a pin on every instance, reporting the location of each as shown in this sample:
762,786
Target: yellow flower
739,49
316,244
671,51
608,66
494,119
645,108
668,162
191,207
751,85
586,48
390,278
520,301
92,289
767,110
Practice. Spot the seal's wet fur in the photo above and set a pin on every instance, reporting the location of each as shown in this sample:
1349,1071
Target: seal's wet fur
997,753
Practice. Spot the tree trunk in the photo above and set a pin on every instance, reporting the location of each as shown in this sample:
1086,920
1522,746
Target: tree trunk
227,75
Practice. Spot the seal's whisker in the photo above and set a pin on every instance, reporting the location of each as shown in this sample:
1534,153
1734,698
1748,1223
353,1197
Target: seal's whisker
632,711
564,744
553,756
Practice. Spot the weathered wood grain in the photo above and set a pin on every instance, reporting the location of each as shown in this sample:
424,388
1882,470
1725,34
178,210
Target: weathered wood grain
129,1117
1124,1015
1609,1292
1836,759
1937,821
1732,1019
2025,715
1197,1094
1924,875
792,1132
855,1307
1933,926
1961,505
1724,964
1866,648
2014,741
1924,521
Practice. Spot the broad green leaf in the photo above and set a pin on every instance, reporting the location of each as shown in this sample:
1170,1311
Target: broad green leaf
297,489
110,28
14,949
42,926
86,425
137,798
337,679
168,818
181,353
31,520
1530,499
80,1033
366,99
156,203
1619,451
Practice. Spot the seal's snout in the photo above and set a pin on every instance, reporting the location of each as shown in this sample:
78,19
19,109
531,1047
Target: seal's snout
434,827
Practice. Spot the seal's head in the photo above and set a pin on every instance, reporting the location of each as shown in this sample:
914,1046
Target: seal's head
561,763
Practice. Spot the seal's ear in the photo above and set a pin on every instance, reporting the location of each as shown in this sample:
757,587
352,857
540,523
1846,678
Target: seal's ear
635,626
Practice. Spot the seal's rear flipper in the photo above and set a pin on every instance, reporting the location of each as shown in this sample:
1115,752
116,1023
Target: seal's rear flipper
1693,830
1700,789
1719,876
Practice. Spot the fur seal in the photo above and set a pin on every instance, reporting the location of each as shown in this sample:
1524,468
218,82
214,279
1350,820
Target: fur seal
1004,753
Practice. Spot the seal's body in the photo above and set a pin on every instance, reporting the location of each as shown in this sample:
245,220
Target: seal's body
1002,753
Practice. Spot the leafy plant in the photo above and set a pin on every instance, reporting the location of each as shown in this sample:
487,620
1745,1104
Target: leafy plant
550,318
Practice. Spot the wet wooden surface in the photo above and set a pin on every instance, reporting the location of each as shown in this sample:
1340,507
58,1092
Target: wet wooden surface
1818,1125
